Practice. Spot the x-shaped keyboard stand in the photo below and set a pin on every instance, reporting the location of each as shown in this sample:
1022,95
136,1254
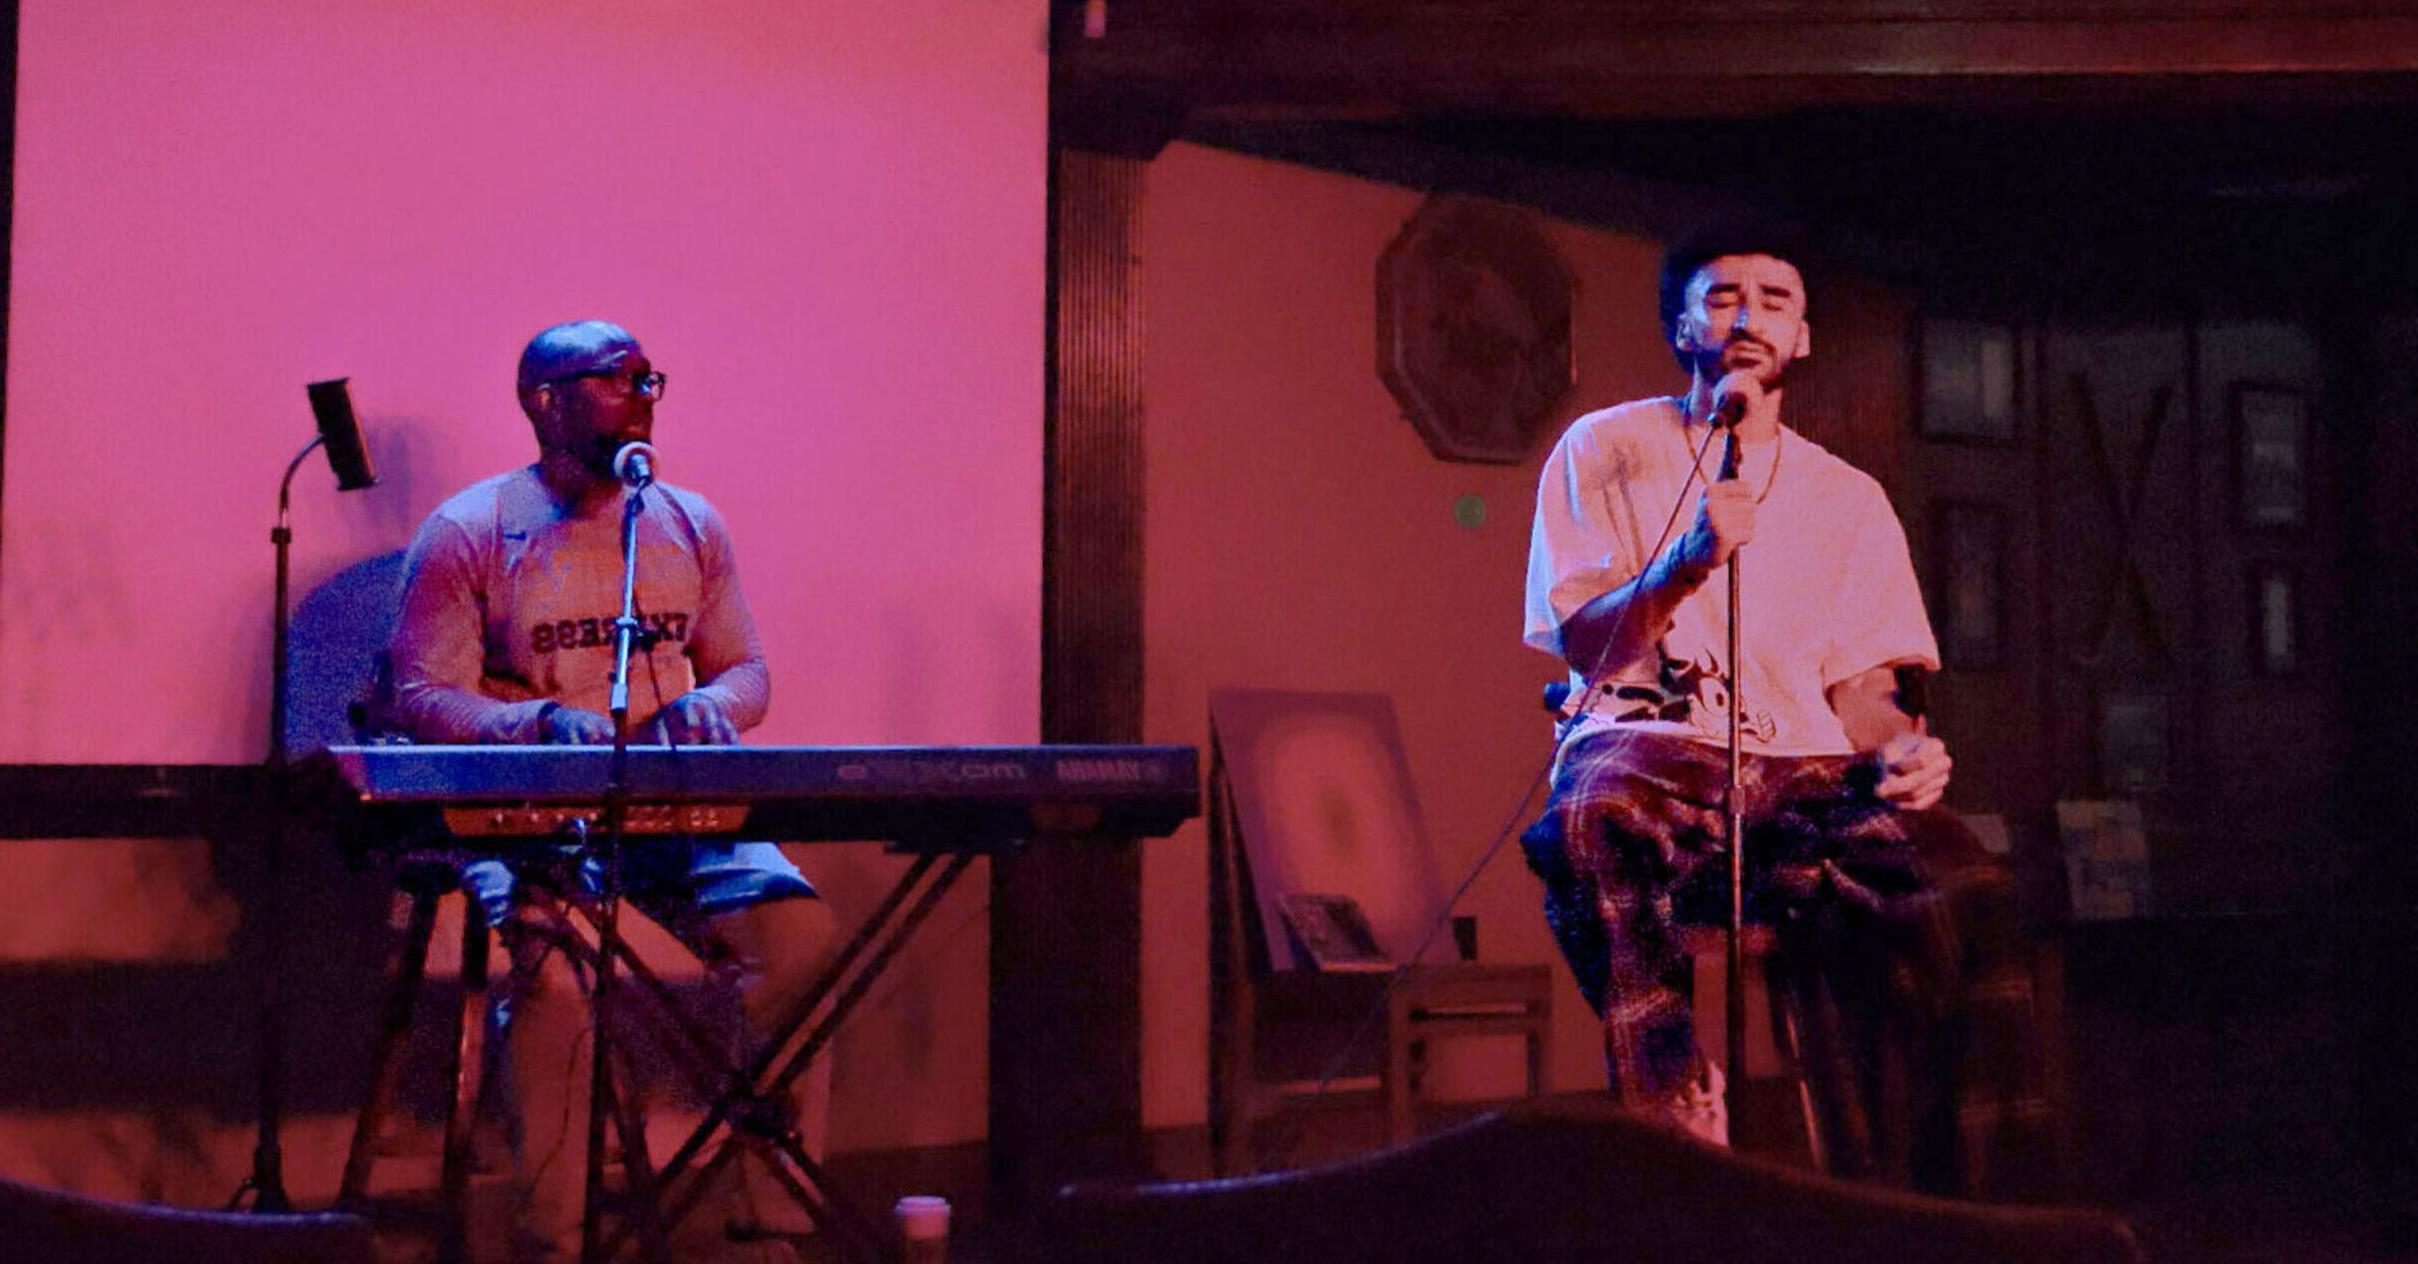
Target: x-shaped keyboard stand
750,1103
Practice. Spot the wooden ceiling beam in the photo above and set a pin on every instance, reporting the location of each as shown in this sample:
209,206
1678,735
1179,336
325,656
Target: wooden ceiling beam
1365,59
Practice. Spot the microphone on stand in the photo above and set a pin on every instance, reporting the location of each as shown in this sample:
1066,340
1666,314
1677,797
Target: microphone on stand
1726,415
1729,409
634,464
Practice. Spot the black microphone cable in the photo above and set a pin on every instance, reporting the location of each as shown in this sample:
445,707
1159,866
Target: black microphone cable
1595,679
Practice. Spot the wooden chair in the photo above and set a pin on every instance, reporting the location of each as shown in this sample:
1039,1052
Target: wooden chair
1560,1178
1276,1034
1463,1000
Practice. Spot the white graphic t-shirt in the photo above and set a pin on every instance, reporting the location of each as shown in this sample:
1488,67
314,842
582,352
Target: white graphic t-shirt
1828,591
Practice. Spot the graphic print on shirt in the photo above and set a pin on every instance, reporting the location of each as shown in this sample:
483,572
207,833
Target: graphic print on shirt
1695,694
572,634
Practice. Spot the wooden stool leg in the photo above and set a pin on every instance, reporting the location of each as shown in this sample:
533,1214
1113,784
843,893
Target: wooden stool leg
1818,1050
467,1062
1235,1098
411,969
1537,1036
1401,1044
1792,1031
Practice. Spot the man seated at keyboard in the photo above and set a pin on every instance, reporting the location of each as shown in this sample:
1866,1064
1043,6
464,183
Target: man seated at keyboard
510,595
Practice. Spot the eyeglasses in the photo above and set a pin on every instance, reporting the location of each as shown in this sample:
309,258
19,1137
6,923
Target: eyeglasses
649,384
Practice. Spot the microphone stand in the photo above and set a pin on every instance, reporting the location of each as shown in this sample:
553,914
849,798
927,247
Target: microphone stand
1734,990
603,1100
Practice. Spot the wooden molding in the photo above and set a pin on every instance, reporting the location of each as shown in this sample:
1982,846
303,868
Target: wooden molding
1379,59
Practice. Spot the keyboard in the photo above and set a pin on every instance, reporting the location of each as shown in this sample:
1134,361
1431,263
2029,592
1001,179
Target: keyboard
934,795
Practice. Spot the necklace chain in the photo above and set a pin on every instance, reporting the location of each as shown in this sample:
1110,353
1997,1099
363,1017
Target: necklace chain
1779,442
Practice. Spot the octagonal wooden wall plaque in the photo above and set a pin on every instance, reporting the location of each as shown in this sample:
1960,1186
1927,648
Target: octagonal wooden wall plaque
1473,328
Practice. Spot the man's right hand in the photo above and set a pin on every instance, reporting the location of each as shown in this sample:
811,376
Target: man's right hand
1725,522
570,726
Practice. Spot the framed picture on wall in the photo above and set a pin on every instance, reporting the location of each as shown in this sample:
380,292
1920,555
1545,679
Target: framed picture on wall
2132,744
1474,328
1968,381
1969,583
2275,634
1325,808
2270,457
2107,869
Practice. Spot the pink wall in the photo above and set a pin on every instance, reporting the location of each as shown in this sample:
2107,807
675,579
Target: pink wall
825,220
1301,536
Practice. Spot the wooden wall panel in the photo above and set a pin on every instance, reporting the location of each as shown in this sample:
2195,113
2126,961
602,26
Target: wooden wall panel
2144,567
1992,717
1852,396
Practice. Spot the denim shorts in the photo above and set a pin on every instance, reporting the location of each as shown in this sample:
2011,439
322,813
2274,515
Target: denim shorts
669,879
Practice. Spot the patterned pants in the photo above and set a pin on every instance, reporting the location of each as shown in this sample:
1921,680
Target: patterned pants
1899,945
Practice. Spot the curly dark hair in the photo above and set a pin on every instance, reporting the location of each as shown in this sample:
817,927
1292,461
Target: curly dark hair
1738,235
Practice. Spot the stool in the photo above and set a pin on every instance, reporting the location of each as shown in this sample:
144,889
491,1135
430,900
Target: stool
427,881
470,1062
1774,1030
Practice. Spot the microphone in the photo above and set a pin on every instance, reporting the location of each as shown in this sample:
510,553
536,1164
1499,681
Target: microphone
635,464
1729,409
1731,394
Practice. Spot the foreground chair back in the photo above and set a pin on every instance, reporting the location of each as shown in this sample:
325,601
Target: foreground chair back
1559,1178
57,1227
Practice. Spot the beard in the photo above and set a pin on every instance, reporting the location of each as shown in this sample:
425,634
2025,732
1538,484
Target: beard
593,454
1714,364
597,455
